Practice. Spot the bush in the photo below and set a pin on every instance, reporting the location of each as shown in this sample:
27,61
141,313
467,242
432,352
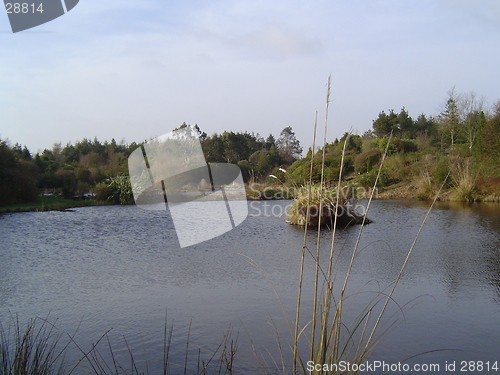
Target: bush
441,170
369,144
120,189
397,168
365,161
18,178
247,170
116,190
300,171
404,145
16,187
367,180
397,145
101,191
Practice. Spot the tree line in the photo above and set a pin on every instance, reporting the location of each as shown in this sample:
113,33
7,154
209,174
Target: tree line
422,149
94,166
461,122
465,134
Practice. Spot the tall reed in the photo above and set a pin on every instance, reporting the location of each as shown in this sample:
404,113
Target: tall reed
38,348
31,349
332,338
219,361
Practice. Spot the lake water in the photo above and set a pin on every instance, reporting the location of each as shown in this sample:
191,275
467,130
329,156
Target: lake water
121,268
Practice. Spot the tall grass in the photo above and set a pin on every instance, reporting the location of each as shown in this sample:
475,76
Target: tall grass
463,180
38,348
100,361
31,349
333,336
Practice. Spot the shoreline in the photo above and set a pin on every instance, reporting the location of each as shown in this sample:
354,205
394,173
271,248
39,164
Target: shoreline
403,192
44,204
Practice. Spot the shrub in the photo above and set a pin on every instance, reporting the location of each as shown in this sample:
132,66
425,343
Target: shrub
440,170
18,178
367,180
247,170
116,190
369,144
365,161
101,191
120,189
404,145
16,186
397,168
300,172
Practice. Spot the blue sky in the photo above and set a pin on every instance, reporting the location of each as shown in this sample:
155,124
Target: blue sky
136,69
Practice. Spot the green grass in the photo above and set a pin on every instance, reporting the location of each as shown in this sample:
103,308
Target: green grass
47,203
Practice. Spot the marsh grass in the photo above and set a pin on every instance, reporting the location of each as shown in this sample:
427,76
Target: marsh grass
332,338
463,180
38,348
312,198
32,349
101,358
331,334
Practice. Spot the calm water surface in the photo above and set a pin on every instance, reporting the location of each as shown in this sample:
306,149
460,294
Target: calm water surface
121,268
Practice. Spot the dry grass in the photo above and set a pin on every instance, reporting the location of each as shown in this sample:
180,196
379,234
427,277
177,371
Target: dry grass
331,337
310,200
464,180
334,335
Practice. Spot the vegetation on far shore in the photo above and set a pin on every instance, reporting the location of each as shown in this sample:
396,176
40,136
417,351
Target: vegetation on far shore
49,203
463,138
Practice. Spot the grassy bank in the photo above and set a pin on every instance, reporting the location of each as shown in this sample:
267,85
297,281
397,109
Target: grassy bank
417,190
48,203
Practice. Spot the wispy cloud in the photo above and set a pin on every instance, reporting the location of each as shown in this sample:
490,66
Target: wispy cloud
270,41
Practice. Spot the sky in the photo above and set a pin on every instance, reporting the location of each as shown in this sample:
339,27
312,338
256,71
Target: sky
132,70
